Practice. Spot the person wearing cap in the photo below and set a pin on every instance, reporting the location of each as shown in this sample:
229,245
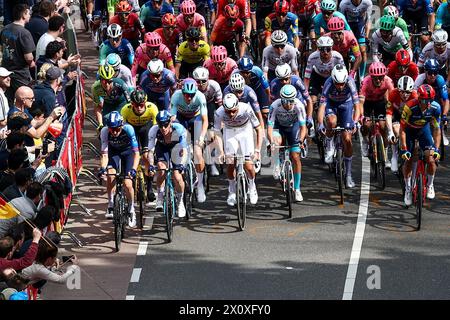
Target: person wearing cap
5,83
45,92
17,50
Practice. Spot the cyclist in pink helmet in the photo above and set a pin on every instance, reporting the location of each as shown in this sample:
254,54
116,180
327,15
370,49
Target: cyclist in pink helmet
190,18
151,48
373,97
220,66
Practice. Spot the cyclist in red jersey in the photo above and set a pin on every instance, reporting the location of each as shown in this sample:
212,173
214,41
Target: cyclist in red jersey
345,43
132,28
402,66
305,10
244,13
396,100
228,31
220,66
190,18
170,35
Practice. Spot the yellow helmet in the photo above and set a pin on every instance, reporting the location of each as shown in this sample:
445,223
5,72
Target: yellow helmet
106,72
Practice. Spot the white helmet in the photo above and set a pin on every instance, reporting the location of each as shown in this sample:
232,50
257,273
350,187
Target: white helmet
278,37
230,101
405,83
155,66
439,36
339,74
283,71
324,41
288,92
201,73
237,82
114,30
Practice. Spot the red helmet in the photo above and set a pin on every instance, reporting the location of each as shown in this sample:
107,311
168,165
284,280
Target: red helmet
188,7
152,39
123,6
281,6
402,57
336,24
377,69
218,53
231,11
169,20
426,91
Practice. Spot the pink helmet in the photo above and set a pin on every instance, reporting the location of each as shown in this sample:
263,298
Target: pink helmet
188,7
218,53
336,24
152,39
377,69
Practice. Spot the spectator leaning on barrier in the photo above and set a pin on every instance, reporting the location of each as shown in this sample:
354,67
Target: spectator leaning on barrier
7,250
5,83
17,48
28,204
56,25
45,92
53,55
39,22
22,179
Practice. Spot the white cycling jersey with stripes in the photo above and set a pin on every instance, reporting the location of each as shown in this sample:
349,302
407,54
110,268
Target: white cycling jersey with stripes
428,52
322,68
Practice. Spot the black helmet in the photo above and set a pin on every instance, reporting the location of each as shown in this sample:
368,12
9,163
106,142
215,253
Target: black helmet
138,96
192,32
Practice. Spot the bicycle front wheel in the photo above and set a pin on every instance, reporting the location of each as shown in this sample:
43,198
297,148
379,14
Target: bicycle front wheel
169,203
288,187
189,189
340,174
381,163
140,192
241,198
419,194
117,221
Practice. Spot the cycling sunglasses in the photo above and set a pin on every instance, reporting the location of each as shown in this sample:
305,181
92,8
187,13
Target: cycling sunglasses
440,45
201,81
379,78
194,39
285,79
432,73
287,101
220,64
115,39
238,91
325,49
164,124
154,48
284,14
230,112
327,13
170,27
115,130
189,95
156,75
405,92
426,100
279,46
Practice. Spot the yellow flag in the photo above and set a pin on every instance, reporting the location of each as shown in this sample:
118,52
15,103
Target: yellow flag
7,211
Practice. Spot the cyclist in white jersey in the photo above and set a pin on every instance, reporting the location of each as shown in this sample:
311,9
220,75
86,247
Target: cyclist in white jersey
239,121
277,53
438,49
319,66
213,94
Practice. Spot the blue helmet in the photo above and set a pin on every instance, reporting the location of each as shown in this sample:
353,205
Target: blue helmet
245,64
114,60
163,116
431,65
114,120
189,86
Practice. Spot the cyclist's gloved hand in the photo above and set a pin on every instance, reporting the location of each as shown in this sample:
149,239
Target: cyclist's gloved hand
391,137
322,128
435,153
309,122
444,119
405,154
151,169
100,127
132,173
101,172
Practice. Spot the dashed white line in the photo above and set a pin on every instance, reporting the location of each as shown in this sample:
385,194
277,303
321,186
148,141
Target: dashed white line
136,275
360,227
129,298
142,250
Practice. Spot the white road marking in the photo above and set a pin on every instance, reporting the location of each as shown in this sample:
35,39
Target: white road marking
129,298
136,275
142,250
360,227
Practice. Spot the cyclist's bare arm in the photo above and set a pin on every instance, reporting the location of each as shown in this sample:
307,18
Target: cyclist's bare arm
98,113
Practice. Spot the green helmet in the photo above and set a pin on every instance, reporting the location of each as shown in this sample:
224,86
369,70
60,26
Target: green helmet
387,23
106,72
328,5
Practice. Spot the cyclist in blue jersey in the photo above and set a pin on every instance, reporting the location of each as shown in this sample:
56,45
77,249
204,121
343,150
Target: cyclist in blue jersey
284,77
434,79
244,94
189,107
116,44
254,78
328,8
443,17
419,15
340,105
282,19
152,12
419,117
158,83
167,141
120,151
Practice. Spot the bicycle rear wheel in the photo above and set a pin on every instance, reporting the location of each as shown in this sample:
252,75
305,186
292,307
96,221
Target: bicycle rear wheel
340,174
241,198
418,191
169,210
288,187
381,163
118,221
